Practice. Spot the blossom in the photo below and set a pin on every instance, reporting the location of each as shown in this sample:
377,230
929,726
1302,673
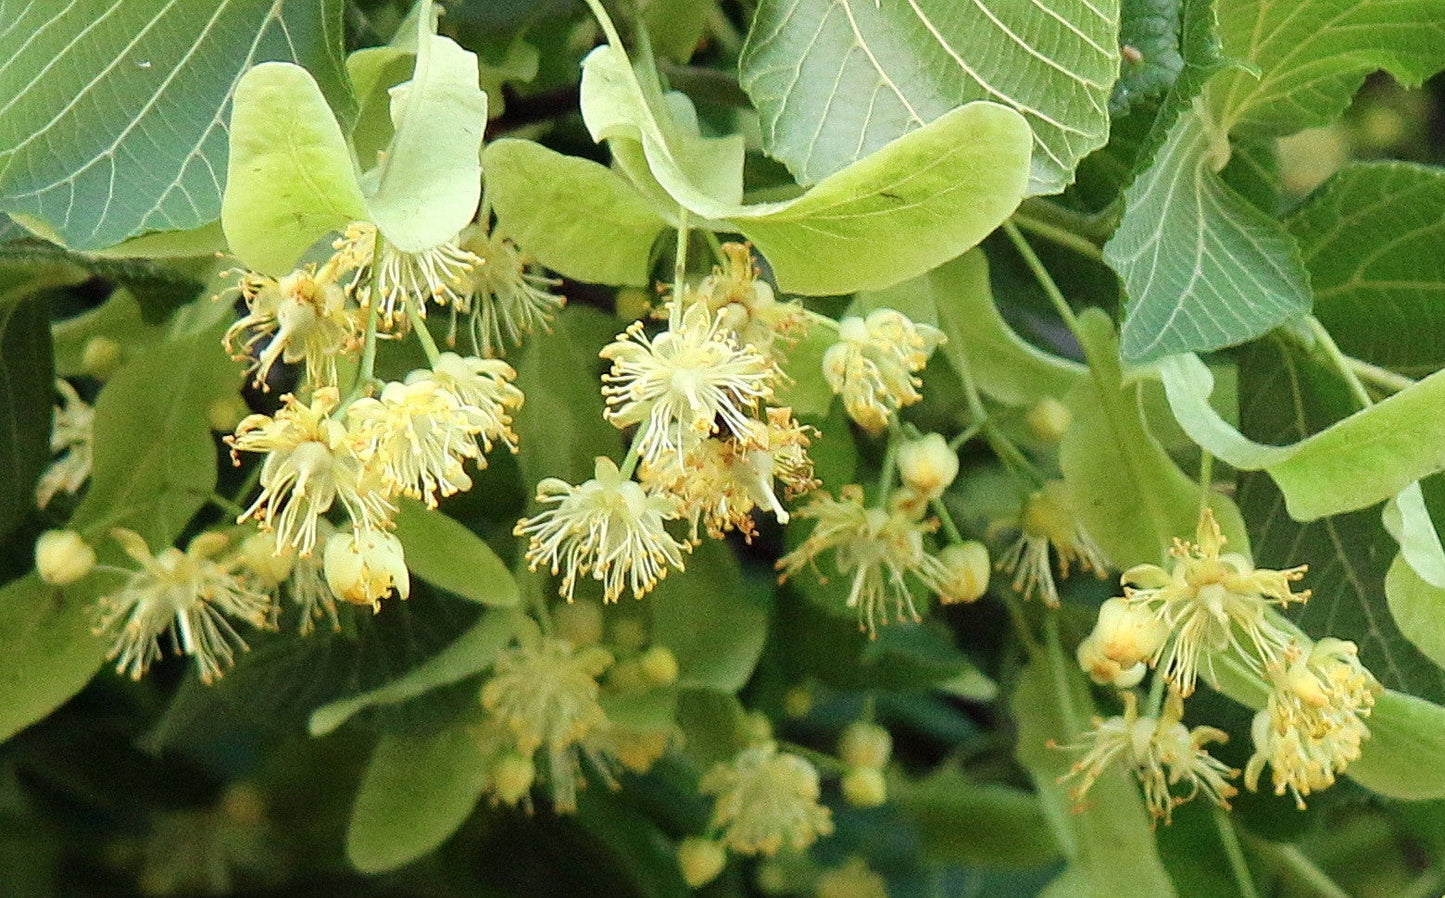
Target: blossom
1312,726
63,557
186,593
746,305
685,384
276,568
1048,520
504,300
877,548
766,799
364,566
608,527
310,464
484,385
305,316
1162,753
1207,600
873,363
71,435
402,280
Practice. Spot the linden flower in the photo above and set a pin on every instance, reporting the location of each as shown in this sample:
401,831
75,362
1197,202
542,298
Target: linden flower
402,281
686,384
873,363
186,593
721,481
766,799
746,305
1208,600
1048,520
505,301
544,692
277,568
306,318
879,549
71,434
1311,728
608,527
310,464
484,385
365,566
1162,753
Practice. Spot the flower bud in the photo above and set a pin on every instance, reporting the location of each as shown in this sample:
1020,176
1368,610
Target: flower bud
1105,670
627,676
1128,633
100,357
512,777
1049,420
798,701
628,633
63,557
258,554
700,860
580,623
865,745
927,466
968,571
364,566
659,666
864,787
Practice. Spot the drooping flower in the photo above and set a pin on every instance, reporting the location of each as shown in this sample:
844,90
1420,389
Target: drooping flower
311,463
71,435
402,280
1048,519
872,365
187,594
1162,753
685,384
1207,600
484,385
766,799
364,566
505,301
877,548
609,528
304,317
1312,726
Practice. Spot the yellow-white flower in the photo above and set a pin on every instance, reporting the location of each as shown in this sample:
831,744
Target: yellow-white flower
400,280
877,548
484,385
277,568
63,557
505,301
186,593
766,799
608,527
872,365
746,305
1207,600
1048,520
364,566
305,316
310,465
71,436
685,384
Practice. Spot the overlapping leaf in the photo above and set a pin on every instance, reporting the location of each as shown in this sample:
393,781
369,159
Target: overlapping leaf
835,80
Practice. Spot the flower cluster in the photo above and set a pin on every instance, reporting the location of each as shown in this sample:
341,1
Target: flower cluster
765,800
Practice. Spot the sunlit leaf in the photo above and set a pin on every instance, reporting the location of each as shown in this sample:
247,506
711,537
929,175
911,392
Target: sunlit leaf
444,552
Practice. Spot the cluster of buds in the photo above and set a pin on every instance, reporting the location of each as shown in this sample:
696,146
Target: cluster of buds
864,749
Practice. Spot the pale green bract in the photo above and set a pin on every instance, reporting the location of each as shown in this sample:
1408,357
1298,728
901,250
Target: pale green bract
933,192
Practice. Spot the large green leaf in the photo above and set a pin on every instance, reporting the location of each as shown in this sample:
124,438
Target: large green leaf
1372,239
928,195
445,552
835,80
417,790
114,111
291,177
27,395
975,824
1418,609
576,217
1202,267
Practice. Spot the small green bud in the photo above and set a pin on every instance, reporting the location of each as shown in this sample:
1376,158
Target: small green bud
700,860
100,357
968,571
659,666
580,623
1049,420
864,787
865,745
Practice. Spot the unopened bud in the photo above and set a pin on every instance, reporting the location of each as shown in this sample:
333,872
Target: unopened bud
258,553
700,861
798,701
627,676
1128,633
865,745
659,666
1105,670
628,633
1049,420
63,557
864,787
968,571
364,566
512,777
100,357
580,623
927,466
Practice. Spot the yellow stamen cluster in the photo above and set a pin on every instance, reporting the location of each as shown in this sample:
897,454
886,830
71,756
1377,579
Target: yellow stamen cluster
872,366
1048,520
504,301
766,800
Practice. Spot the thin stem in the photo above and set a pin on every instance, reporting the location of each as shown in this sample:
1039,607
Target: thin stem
715,245
945,517
1012,457
679,272
608,29
1062,236
1293,865
366,371
1046,281
1156,694
890,464
226,505
418,325
1235,852
1340,363
1206,479
1383,378
957,442
629,462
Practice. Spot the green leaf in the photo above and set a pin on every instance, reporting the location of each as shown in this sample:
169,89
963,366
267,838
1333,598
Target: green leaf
51,653
471,652
114,116
1371,239
1108,840
1418,609
574,216
429,183
446,553
806,391
27,397
1129,494
1005,367
1151,28
1202,267
711,620
416,792
1409,521
291,177
961,822
1370,456
835,81
1303,60
118,318
931,194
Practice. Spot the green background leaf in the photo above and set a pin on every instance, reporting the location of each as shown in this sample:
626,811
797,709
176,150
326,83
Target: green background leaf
27,397
114,115
444,552
711,619
835,81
